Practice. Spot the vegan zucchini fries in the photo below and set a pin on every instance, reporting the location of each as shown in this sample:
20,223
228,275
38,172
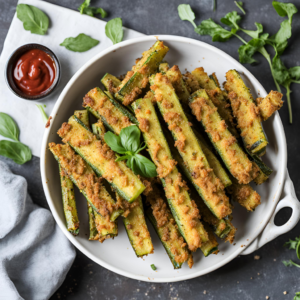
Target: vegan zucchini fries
217,161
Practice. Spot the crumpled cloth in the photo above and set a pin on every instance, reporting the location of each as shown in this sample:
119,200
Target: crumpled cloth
35,256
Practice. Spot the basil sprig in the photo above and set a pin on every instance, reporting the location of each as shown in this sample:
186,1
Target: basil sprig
128,144
86,9
114,30
80,43
33,19
15,150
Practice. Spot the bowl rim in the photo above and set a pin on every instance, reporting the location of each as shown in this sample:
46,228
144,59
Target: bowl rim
282,162
11,60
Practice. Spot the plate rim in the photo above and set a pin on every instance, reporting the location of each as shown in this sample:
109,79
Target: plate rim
280,134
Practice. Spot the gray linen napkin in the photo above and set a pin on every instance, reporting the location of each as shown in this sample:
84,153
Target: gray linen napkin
35,256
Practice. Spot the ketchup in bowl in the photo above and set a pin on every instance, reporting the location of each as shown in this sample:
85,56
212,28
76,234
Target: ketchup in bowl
34,72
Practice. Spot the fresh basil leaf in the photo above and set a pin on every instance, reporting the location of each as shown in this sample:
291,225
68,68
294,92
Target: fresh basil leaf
186,13
114,30
217,32
247,51
143,166
240,4
114,142
232,19
297,296
80,43
129,162
130,138
292,244
43,113
290,263
33,19
285,9
255,33
84,5
17,151
124,157
8,127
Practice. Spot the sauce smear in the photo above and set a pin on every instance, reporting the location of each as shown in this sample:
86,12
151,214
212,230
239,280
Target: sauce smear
34,72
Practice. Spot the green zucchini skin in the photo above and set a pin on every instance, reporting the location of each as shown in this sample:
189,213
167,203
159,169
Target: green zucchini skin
144,68
69,203
76,134
92,225
109,81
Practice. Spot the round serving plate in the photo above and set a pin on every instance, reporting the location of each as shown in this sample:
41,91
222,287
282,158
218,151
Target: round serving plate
117,255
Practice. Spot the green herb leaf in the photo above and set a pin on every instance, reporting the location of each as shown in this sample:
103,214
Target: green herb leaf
114,30
239,4
129,162
8,127
114,142
186,13
85,8
17,151
290,263
285,9
297,296
120,158
298,250
281,73
232,19
295,75
292,244
153,267
255,33
130,138
247,51
43,113
217,32
143,166
33,19
80,43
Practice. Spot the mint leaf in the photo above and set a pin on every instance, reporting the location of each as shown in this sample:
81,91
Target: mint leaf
8,127
34,20
16,151
186,13
217,32
114,30
239,4
80,43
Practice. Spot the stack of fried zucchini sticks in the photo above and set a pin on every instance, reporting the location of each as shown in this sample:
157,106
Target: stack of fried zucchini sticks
206,144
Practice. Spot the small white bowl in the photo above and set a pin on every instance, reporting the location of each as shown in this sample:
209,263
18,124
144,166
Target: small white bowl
117,255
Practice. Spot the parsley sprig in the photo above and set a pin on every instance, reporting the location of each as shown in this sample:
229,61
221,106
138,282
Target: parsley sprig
128,144
293,245
259,39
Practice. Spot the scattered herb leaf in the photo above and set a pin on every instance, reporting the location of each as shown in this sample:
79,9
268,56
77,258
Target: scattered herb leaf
297,296
247,51
153,267
8,127
80,43
34,20
285,9
128,143
292,244
290,263
186,13
240,4
232,19
17,151
114,30
85,8
43,113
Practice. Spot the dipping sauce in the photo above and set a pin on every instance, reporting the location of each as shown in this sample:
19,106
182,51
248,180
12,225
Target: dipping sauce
34,72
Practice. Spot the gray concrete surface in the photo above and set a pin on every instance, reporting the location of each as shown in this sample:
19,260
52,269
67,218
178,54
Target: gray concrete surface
243,278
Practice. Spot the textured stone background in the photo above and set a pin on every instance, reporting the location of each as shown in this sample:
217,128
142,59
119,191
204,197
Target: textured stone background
243,278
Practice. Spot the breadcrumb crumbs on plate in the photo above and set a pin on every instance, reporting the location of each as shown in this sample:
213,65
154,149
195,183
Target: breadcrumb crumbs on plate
256,257
267,297
204,292
274,259
258,274
251,278
285,292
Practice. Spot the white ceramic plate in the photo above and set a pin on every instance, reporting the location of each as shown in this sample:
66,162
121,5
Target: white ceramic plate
117,255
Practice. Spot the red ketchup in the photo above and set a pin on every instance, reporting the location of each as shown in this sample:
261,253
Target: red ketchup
34,72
